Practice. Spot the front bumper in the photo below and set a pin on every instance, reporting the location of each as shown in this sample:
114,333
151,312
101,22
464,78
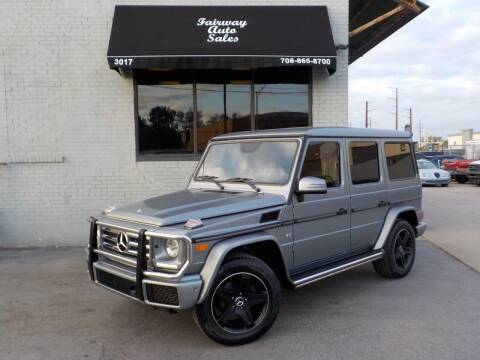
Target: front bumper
474,179
139,283
181,294
435,181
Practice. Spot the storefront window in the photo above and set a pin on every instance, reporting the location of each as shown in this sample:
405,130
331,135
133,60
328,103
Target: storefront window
165,115
281,98
223,103
219,101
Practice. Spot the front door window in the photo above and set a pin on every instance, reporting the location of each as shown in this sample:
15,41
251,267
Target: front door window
323,160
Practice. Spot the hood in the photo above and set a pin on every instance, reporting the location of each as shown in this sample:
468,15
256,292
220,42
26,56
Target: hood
178,207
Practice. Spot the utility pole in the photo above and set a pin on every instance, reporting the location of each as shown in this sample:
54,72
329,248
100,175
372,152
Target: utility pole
419,131
396,108
366,114
411,128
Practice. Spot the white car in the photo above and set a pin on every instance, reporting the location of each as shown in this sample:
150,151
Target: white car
432,175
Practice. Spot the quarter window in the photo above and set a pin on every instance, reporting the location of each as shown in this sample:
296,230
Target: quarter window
399,161
323,160
364,166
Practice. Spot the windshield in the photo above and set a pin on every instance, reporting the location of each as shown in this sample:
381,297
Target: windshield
425,164
267,162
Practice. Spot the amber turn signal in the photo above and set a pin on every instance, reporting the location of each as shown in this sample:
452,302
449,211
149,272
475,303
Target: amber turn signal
201,247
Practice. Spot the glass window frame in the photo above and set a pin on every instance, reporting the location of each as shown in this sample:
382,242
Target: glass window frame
412,157
339,144
350,155
196,155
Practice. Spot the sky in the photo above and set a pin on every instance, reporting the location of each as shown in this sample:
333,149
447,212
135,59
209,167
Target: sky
434,61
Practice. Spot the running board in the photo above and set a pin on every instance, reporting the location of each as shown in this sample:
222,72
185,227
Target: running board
334,269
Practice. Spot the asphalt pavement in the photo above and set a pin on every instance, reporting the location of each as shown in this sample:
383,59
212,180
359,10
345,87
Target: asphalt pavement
453,217
50,310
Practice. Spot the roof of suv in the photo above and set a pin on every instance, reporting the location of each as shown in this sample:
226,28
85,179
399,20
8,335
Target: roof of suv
316,132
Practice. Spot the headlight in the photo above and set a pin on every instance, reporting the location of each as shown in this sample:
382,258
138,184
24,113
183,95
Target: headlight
172,248
168,254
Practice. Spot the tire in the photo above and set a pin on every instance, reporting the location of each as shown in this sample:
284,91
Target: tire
399,252
445,185
462,179
227,316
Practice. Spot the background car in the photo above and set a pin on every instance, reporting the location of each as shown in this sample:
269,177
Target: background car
419,155
474,172
458,169
438,159
432,175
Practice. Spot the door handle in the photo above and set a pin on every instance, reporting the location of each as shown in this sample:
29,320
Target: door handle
342,211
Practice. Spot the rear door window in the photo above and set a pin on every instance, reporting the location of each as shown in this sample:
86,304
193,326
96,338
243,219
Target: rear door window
400,162
364,165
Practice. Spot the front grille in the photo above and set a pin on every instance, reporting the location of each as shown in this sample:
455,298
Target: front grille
474,168
162,294
117,283
110,241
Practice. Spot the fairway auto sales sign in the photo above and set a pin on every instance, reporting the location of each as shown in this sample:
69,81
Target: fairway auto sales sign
222,31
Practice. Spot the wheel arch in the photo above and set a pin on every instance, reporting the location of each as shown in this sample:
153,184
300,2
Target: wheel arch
409,216
260,245
407,213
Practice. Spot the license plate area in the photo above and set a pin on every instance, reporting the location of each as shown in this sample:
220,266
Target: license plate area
116,283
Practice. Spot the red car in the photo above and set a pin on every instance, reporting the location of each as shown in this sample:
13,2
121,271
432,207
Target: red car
458,169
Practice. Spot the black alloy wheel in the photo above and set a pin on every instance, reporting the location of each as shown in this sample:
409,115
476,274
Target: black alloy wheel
403,249
243,301
239,302
399,251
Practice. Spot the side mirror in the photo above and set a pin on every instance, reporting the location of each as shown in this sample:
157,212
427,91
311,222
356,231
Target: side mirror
311,185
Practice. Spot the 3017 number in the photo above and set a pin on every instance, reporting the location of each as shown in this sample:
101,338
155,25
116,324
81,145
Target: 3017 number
123,61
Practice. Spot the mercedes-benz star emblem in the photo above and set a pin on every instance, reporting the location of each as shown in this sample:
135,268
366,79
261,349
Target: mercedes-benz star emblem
239,301
123,242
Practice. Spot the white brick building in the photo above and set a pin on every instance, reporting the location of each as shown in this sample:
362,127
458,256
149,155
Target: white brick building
67,126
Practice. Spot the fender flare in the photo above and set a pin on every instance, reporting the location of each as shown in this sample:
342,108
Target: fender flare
219,252
390,219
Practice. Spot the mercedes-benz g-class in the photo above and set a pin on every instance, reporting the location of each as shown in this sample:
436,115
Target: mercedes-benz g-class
264,210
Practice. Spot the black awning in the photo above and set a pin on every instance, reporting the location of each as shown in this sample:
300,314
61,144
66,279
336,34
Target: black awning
363,11
179,37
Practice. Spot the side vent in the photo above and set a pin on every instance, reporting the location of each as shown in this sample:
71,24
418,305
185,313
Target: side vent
270,216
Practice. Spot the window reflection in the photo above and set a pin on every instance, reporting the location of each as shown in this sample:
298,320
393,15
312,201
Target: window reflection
281,97
399,161
224,100
165,118
323,160
261,161
364,165
281,105
222,108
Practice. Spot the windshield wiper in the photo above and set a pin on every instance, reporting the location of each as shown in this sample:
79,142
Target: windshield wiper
211,179
243,180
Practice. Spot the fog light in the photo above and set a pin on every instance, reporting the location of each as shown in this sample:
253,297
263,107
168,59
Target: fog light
172,248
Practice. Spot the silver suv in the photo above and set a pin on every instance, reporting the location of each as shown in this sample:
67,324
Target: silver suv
264,210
